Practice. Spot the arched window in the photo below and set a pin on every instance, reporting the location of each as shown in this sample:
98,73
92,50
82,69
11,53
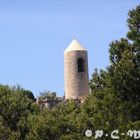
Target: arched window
80,64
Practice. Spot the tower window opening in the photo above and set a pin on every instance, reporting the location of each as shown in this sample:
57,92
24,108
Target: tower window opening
80,64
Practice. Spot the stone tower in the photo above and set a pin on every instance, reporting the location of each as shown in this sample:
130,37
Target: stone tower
76,71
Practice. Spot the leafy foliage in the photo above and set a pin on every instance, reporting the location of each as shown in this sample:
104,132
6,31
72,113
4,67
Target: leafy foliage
15,107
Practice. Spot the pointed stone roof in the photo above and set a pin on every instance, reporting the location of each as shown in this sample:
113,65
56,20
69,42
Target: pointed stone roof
75,46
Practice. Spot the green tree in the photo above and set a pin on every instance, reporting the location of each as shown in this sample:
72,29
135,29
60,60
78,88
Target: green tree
54,124
15,107
115,99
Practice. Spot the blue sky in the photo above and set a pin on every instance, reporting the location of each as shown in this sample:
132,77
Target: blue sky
35,33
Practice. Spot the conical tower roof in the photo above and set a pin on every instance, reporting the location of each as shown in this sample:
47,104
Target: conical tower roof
75,46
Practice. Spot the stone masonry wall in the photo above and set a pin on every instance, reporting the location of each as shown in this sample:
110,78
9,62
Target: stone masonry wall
76,83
